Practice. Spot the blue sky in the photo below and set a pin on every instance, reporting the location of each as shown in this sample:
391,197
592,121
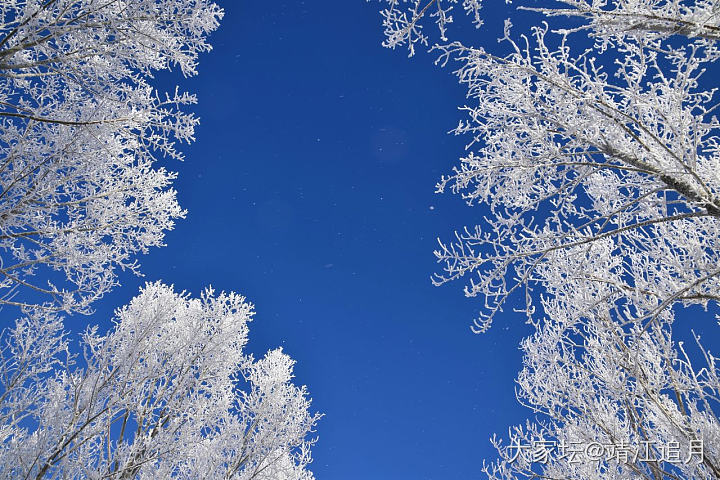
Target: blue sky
310,190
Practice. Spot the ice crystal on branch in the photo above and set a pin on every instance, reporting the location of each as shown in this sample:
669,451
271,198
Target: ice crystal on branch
403,20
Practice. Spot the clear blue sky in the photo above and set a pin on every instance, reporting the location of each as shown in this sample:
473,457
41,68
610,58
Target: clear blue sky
310,190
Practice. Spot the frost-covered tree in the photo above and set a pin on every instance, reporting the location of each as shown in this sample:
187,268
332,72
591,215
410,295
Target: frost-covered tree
168,393
81,130
613,402
595,151
598,162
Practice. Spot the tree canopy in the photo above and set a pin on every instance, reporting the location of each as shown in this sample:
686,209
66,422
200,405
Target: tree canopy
169,391
593,148
81,130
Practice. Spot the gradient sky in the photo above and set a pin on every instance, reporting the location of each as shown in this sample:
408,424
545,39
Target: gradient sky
310,190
